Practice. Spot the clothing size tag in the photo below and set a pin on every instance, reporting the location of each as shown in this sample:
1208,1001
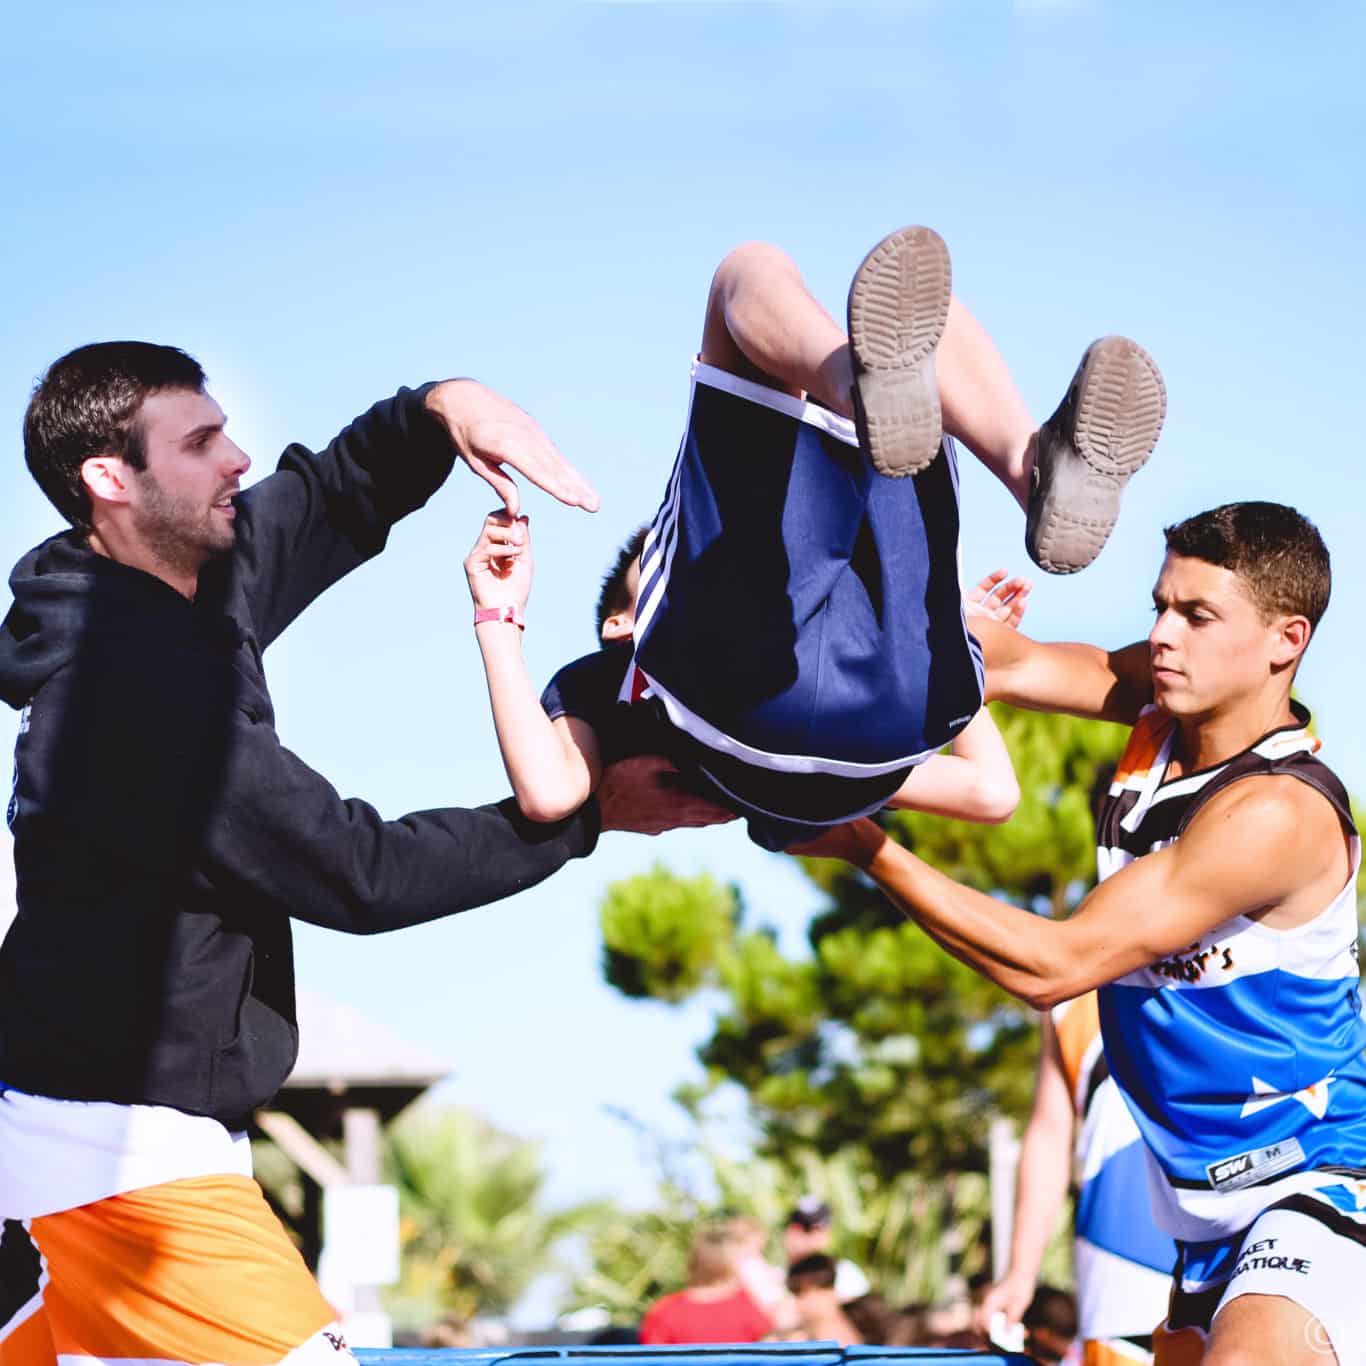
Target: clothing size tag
1248,1169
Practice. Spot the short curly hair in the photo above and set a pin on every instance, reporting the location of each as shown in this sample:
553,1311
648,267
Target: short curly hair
1276,551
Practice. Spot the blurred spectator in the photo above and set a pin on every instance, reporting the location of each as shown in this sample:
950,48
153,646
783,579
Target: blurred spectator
960,1339
452,1331
714,1307
924,1325
906,1326
764,1282
617,1335
1050,1325
809,1231
947,1322
820,1317
871,1317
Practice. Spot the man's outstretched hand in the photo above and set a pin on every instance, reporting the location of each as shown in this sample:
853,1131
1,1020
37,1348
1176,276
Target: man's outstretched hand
855,842
489,432
645,796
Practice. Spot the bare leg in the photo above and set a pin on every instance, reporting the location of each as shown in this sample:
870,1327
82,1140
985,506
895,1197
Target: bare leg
1068,476
982,407
1267,1328
763,324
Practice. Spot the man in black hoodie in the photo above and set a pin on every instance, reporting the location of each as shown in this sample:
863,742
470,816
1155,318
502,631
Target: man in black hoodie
164,838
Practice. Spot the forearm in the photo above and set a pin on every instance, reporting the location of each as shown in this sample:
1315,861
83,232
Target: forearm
277,839
372,876
1041,1183
1040,961
974,781
548,778
218,812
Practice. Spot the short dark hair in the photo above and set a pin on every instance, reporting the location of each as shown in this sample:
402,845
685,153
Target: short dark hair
810,1212
87,404
816,1272
1277,552
613,597
1053,1309
869,1314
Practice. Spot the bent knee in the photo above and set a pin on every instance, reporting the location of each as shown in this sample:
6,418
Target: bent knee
749,260
1254,1329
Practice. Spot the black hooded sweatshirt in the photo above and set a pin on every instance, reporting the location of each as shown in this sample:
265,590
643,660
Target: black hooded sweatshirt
163,836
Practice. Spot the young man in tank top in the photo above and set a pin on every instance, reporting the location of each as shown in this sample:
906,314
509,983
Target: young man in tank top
1223,936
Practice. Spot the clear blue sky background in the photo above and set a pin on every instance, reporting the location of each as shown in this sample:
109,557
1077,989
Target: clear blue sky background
323,202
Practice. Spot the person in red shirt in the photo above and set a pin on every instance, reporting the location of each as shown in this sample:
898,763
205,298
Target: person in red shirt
714,1307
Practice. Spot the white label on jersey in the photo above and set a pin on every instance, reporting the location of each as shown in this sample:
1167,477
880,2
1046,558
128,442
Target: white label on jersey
12,810
1247,1169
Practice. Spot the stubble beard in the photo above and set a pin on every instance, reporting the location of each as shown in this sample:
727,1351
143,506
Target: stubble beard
180,534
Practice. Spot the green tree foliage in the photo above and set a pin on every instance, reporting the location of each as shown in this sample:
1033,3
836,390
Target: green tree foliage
672,928
474,1228
877,1041
905,1233
876,1051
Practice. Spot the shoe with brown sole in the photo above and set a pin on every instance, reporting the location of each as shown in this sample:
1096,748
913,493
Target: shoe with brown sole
1101,435
898,305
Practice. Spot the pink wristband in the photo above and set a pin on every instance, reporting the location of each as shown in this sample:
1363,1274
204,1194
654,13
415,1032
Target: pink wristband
482,614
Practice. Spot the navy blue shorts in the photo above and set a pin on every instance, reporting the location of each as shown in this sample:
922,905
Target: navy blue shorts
798,613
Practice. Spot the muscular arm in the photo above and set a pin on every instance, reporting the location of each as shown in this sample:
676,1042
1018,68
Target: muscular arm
1081,680
1265,846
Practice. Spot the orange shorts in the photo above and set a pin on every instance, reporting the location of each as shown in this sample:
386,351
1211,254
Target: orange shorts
196,1272
1114,1352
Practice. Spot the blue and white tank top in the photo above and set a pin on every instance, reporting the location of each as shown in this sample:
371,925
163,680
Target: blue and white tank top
1241,1057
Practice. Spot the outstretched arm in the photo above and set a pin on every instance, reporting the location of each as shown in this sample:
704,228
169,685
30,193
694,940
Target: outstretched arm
322,514
1264,845
1081,680
1040,1185
553,765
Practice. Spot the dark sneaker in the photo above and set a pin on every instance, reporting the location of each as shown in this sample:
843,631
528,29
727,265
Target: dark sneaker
1102,433
898,305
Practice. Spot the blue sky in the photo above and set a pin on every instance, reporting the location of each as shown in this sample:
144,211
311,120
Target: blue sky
324,202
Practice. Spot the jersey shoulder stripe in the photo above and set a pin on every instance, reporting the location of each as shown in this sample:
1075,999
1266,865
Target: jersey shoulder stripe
1077,1024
